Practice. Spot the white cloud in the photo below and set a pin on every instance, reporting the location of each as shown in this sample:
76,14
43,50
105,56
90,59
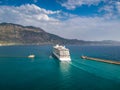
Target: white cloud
118,6
89,28
111,9
32,8
25,12
72,4
86,28
108,11
107,8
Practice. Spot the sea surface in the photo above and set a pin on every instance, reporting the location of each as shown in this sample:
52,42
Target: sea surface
17,72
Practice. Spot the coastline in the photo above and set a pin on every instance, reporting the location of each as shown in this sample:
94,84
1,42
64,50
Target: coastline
15,44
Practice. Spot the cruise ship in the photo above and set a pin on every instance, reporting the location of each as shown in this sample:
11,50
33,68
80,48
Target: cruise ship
61,52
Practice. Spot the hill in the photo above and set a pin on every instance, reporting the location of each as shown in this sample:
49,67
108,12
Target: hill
18,34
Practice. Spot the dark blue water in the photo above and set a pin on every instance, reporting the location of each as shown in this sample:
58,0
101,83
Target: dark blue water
17,72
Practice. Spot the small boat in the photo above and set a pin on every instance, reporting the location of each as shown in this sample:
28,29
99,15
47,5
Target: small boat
31,56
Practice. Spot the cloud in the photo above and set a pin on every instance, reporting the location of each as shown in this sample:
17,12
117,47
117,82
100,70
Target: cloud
78,27
72,4
118,6
25,12
89,28
108,11
111,9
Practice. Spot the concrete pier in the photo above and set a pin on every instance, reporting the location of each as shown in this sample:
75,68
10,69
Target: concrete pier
100,60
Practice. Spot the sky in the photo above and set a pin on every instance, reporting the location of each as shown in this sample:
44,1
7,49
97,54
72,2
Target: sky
90,20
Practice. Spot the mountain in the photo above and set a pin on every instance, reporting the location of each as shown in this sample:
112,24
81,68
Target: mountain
18,34
13,33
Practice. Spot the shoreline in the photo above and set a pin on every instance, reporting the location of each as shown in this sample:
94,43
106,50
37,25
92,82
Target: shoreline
20,44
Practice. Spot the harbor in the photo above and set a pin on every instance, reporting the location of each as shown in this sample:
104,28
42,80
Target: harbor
101,60
45,72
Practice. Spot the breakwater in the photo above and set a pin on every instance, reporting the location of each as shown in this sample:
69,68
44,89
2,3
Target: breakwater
100,60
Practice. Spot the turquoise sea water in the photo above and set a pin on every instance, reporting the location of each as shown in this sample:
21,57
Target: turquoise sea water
17,72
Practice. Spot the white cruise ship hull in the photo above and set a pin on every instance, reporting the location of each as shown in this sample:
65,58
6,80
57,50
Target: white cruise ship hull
61,58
